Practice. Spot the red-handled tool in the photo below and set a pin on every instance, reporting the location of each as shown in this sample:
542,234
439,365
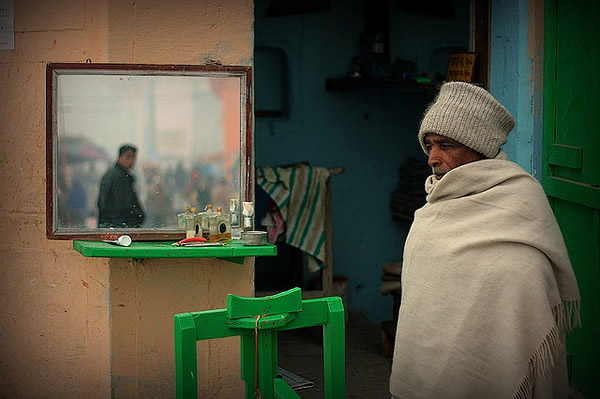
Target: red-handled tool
188,241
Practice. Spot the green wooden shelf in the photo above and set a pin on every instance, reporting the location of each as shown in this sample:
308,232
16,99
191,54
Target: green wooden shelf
234,251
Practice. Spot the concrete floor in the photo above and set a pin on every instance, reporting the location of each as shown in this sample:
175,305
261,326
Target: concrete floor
367,370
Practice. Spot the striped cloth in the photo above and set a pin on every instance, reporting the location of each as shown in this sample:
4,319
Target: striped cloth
299,192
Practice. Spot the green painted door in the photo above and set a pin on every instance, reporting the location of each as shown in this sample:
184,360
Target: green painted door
571,157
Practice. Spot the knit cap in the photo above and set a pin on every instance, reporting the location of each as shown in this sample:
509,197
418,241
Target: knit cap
470,115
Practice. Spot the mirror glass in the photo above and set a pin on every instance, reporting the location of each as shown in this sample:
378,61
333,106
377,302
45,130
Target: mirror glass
130,146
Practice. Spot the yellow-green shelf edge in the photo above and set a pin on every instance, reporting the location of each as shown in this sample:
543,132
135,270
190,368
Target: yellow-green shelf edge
234,251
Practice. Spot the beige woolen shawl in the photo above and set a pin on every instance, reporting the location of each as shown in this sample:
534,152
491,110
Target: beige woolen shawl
487,289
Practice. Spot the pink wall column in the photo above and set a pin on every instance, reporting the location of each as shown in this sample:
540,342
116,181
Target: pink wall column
82,327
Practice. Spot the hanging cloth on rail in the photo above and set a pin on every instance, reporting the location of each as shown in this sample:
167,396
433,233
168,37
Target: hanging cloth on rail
300,193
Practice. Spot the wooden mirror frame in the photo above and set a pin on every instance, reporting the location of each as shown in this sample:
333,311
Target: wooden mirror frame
246,167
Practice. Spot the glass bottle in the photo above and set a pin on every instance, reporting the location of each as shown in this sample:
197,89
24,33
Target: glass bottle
190,223
205,216
248,214
219,226
182,217
234,208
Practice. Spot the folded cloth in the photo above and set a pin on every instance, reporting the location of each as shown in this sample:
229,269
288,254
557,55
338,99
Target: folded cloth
388,287
393,268
390,277
299,191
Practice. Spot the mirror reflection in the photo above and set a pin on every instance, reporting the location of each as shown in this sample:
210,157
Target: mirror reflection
133,150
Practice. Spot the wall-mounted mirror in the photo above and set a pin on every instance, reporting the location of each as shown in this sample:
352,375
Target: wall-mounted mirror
130,146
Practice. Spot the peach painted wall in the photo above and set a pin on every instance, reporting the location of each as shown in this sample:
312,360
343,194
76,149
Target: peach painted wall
72,326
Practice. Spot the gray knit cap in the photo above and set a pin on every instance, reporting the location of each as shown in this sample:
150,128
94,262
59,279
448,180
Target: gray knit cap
470,115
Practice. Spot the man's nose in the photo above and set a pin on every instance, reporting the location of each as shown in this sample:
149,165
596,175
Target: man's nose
434,159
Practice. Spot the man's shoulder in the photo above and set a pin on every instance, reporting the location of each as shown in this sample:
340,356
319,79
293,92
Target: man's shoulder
113,174
115,170
500,171
520,193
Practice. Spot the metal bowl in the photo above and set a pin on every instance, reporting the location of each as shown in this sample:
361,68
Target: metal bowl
254,238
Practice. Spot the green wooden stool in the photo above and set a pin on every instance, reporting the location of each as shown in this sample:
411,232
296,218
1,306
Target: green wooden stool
257,321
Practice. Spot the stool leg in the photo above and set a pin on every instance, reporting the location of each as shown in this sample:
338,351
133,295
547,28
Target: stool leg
267,362
186,366
334,351
248,368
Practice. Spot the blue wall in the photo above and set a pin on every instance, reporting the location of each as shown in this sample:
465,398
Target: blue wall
368,132
512,77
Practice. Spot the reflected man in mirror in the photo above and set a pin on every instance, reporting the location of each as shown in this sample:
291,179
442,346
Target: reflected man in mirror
118,204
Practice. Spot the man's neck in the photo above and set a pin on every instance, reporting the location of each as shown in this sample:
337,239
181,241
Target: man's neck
123,168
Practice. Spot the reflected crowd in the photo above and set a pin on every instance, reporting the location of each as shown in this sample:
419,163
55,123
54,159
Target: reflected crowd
164,190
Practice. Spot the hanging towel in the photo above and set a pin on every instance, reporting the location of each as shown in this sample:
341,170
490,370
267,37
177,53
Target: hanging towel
299,192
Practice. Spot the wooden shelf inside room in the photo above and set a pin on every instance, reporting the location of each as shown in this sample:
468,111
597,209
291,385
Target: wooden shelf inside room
348,83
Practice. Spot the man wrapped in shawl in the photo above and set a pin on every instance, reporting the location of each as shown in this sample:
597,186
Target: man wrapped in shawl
488,290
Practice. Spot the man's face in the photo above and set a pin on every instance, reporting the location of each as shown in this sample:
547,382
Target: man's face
446,154
127,159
